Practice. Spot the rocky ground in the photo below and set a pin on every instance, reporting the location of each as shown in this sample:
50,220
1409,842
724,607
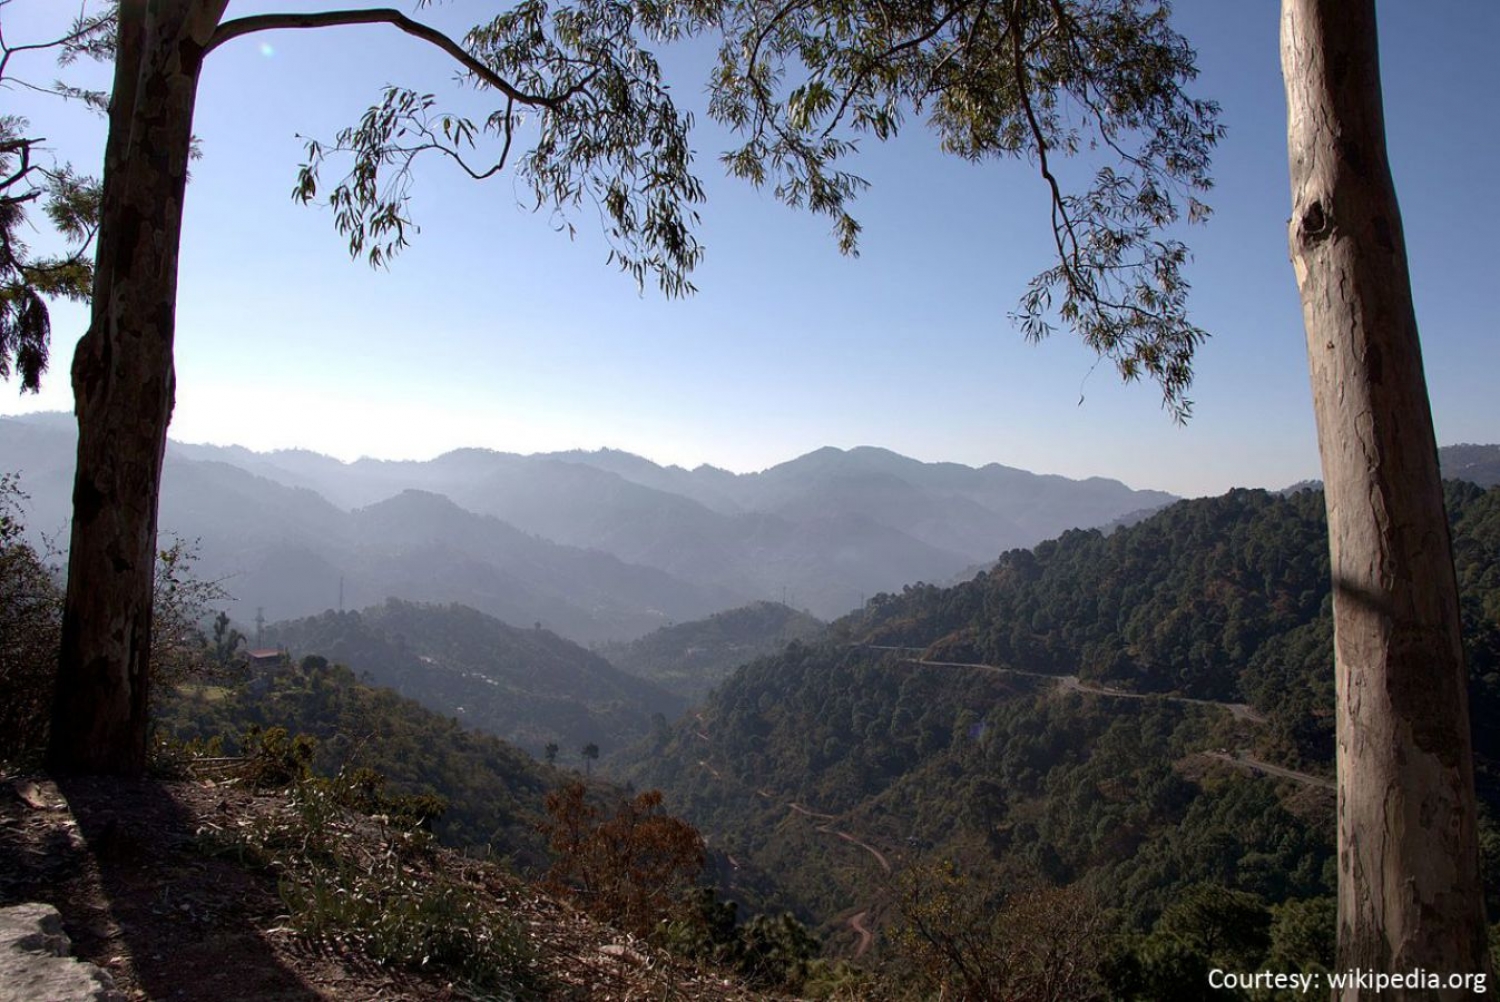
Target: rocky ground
146,890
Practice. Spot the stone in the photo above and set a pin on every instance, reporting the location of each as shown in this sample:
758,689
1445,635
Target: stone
36,963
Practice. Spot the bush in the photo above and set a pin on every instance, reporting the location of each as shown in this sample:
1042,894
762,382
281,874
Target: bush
364,790
374,887
181,603
631,869
274,758
30,632
1042,945
770,952
777,951
170,758
395,915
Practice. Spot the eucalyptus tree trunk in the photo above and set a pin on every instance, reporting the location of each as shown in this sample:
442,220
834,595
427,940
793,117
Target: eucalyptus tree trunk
123,388
1409,888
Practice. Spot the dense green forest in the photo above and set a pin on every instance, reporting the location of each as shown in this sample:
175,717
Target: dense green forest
1220,598
528,686
1072,717
689,659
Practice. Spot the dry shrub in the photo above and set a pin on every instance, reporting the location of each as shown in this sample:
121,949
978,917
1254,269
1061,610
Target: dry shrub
1039,945
632,868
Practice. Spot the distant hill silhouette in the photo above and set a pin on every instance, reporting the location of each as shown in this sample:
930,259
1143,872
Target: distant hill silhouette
1478,464
597,545
278,544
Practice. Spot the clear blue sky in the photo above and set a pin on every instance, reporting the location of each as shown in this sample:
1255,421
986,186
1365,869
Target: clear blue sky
495,330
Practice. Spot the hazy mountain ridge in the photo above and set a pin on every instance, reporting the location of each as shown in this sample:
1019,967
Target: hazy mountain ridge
708,485
1479,464
947,505
825,558
599,545
278,544
823,530
528,686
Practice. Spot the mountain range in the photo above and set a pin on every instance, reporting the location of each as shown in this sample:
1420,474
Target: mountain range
594,545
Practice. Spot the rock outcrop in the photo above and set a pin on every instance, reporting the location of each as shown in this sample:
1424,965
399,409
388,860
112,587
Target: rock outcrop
36,964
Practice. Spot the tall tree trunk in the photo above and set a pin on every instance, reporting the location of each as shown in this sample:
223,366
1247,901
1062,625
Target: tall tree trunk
1409,888
123,388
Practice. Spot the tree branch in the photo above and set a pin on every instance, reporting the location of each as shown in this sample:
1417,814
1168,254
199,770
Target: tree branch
894,50
753,55
72,36
22,146
1062,223
336,18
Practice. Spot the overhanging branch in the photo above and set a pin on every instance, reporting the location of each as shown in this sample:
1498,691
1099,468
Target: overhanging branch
379,15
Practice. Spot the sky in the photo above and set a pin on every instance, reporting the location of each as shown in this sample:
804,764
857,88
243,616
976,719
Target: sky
495,329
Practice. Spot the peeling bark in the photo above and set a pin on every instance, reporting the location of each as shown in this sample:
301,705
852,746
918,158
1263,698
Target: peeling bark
1409,887
123,386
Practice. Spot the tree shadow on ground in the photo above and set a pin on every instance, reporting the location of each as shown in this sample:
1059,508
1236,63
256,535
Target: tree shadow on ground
133,881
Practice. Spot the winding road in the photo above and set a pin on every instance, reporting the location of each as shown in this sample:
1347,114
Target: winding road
1072,683
859,921
1243,758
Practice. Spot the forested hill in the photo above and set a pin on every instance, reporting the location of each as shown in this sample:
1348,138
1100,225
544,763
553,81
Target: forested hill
1071,717
528,685
689,659
1221,598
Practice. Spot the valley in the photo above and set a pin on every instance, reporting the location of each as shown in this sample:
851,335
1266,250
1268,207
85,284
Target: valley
1139,714
1058,719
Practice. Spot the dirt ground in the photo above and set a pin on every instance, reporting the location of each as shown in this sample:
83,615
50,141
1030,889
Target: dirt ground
122,862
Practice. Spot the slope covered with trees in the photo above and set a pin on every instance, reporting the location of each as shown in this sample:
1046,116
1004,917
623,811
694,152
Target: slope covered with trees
1221,598
493,791
689,659
528,686
1137,715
